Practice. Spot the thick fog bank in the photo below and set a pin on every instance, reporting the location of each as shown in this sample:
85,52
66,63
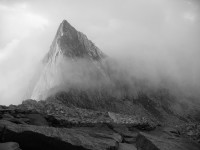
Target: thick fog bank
154,40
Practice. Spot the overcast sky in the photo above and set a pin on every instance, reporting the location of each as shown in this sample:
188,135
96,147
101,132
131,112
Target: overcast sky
156,33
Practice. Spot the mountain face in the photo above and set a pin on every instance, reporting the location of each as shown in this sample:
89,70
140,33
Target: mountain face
76,75
68,44
71,43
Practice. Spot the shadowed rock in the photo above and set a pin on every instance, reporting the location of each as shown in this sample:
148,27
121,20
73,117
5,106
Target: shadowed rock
38,137
152,142
124,146
9,146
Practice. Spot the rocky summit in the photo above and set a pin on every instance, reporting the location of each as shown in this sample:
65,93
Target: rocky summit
68,44
81,102
72,43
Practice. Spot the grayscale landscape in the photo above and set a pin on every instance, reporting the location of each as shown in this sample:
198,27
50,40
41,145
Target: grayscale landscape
100,75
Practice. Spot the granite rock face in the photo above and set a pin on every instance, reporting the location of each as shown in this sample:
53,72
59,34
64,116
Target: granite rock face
152,142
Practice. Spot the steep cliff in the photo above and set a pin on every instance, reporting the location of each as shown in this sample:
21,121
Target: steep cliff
68,45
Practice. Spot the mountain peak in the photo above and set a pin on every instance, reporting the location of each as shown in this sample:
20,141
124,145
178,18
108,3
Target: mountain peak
72,43
66,24
64,28
68,44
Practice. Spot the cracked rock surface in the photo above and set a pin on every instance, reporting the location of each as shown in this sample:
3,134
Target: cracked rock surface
28,128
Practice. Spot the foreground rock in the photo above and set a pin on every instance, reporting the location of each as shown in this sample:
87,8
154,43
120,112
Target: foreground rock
102,137
60,115
37,137
9,146
124,146
152,142
50,125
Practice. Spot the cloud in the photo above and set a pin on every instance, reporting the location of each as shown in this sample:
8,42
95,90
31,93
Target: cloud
17,22
189,16
8,49
158,37
20,28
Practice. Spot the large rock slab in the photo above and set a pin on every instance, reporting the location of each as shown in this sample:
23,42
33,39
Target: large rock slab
9,146
146,141
39,137
124,146
63,116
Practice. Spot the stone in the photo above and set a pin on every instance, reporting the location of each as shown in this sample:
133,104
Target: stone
102,132
124,146
37,119
190,133
15,120
125,132
39,137
9,146
171,131
6,115
146,141
130,140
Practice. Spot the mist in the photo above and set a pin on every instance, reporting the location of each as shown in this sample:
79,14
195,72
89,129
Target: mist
155,40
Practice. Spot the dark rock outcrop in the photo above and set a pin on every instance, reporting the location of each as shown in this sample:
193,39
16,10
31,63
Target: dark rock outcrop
9,146
45,124
154,142
35,129
37,137
124,146
63,116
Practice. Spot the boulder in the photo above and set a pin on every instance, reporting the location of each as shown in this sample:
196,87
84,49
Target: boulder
146,141
9,146
39,137
124,146
37,119
135,121
125,132
171,131
130,140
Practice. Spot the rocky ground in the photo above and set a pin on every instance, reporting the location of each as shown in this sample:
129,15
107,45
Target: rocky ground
50,125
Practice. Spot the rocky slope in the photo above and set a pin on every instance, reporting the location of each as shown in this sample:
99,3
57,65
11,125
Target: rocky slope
45,125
